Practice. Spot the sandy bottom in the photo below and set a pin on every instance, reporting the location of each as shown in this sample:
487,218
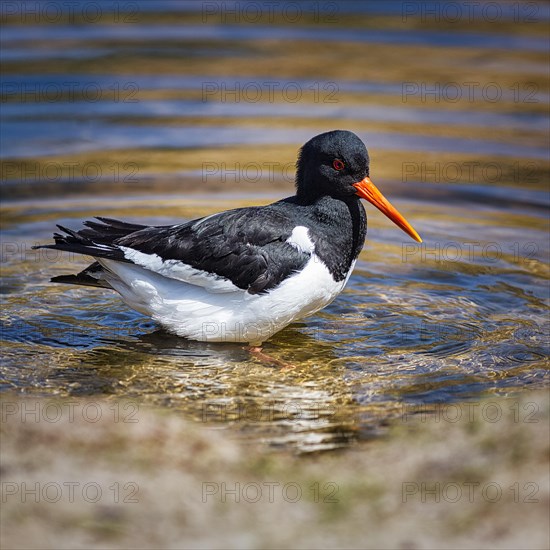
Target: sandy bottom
109,474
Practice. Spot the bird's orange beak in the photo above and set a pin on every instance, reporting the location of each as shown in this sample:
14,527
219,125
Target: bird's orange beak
367,190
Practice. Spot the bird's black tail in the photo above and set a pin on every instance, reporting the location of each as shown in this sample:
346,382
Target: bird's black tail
97,240
91,276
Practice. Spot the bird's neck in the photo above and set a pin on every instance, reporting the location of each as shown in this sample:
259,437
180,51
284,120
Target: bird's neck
344,225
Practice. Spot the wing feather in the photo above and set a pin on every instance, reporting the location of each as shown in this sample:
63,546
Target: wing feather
242,249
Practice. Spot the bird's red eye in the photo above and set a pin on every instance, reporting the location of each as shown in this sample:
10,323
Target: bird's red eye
337,164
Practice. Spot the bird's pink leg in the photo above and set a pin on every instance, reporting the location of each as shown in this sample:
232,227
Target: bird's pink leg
267,359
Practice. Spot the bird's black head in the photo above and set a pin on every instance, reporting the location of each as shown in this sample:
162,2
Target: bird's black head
329,164
336,164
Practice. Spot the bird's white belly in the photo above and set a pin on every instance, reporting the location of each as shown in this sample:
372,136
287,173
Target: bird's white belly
194,312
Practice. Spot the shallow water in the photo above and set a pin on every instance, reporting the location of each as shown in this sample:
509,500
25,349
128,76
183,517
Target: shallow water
58,136
23,84
460,316
264,32
174,108
454,319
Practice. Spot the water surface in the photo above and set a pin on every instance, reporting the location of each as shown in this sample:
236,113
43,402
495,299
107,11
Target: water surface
458,318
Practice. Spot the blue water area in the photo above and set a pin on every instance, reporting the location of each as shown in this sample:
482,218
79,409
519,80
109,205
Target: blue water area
50,87
12,36
458,9
23,138
211,108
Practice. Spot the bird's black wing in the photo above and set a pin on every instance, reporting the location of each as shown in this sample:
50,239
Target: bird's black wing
243,249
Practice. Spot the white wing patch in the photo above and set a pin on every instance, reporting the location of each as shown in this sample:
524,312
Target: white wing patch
300,240
174,269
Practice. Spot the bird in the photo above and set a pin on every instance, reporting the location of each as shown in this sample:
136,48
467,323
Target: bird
244,274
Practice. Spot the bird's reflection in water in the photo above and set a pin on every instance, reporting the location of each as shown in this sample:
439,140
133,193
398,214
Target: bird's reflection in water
305,408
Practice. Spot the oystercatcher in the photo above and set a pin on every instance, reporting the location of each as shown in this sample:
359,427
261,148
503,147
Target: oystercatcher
244,274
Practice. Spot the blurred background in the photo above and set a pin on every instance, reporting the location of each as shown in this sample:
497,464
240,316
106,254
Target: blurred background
162,111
